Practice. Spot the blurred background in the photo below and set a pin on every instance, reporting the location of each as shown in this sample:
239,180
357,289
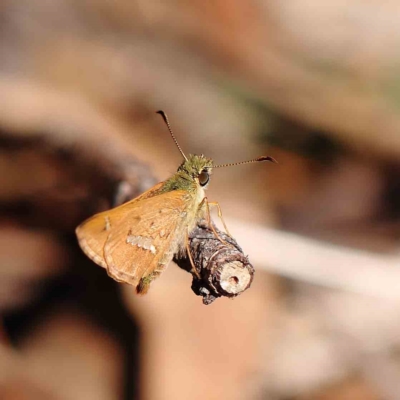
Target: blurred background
315,84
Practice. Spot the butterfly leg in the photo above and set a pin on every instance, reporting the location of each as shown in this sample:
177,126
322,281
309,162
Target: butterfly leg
206,202
190,255
216,204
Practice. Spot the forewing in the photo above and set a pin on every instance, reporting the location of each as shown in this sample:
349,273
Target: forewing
93,233
140,246
137,240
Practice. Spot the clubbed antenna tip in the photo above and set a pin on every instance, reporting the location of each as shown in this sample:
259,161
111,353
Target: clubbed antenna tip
165,118
267,158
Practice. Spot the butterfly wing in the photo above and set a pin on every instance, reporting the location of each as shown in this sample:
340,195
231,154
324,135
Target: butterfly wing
93,233
92,236
137,240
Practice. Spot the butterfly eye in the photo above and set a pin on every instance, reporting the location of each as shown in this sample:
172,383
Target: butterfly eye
204,177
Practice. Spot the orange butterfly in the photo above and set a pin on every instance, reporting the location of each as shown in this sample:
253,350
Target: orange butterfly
136,241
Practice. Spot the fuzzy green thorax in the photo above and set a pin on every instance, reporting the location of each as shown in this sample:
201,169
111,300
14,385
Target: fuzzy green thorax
188,172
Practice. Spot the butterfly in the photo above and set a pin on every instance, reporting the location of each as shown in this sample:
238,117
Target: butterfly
136,241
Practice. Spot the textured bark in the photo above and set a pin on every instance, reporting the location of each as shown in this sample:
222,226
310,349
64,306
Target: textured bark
223,268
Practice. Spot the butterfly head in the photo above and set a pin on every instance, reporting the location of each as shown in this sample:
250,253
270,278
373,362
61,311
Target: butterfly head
198,168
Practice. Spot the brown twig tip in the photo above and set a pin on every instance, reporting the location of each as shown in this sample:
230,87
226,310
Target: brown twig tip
222,267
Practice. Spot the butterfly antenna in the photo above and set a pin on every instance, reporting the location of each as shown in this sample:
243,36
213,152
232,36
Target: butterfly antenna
258,159
165,118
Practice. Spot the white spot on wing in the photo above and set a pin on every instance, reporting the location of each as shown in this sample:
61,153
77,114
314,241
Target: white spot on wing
107,223
146,243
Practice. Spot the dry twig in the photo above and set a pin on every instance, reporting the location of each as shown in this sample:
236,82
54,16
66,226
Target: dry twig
222,267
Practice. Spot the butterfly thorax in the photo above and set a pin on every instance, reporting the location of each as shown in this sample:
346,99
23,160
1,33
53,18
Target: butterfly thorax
190,179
